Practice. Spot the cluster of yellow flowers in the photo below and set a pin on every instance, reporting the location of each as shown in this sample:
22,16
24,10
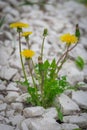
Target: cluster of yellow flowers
67,38
27,53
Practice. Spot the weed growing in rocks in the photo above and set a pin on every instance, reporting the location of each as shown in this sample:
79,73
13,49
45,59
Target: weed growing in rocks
46,81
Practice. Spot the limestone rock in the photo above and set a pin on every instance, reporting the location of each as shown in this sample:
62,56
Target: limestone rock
68,105
33,111
17,106
80,97
6,127
50,113
80,120
67,126
7,73
3,106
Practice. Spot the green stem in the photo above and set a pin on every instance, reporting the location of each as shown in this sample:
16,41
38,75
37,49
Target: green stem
28,44
42,47
63,61
31,73
22,59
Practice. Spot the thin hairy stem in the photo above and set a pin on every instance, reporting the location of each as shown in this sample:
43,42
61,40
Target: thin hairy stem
22,59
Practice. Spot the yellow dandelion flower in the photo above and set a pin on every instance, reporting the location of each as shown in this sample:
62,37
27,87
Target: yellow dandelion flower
19,25
27,53
26,34
68,38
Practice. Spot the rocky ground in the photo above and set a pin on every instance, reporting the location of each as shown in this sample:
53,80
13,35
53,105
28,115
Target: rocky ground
59,17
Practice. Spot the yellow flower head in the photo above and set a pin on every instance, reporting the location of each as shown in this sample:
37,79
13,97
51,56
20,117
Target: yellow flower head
19,25
27,53
26,34
68,38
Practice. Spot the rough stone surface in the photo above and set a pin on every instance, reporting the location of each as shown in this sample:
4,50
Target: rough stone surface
68,106
80,120
7,73
11,97
50,113
3,107
80,98
67,126
17,106
6,127
33,111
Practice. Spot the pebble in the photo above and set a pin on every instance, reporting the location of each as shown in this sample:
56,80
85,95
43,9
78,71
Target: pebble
68,106
17,106
6,127
67,126
3,107
80,97
7,73
76,119
33,111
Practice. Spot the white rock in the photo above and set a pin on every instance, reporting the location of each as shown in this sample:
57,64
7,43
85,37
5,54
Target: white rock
50,113
10,113
3,4
11,10
2,87
82,86
81,121
45,124
12,86
11,97
67,126
6,127
23,97
7,73
41,124
17,106
80,97
16,120
1,97
8,35
68,105
3,56
3,107
24,126
73,74
33,111
15,63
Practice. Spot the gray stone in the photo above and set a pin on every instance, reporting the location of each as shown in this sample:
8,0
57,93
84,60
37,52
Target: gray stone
23,97
7,73
3,4
11,11
80,120
67,126
33,111
73,74
3,56
41,124
24,126
83,86
80,97
3,107
6,127
2,87
16,120
12,86
68,106
17,106
15,63
50,113
11,97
